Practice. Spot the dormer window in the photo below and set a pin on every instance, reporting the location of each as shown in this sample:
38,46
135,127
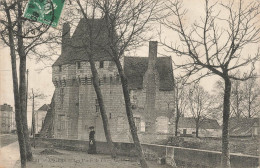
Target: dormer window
60,68
101,64
78,65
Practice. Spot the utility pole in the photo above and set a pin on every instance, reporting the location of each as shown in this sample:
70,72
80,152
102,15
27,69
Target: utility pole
33,120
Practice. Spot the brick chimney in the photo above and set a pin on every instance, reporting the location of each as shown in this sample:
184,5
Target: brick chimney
151,81
65,37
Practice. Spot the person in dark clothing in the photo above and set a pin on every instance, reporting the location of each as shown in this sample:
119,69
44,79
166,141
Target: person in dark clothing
92,142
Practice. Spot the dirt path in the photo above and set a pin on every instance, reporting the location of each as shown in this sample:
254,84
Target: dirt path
9,155
72,159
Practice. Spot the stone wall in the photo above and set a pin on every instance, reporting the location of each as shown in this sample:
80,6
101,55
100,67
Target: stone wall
77,107
173,155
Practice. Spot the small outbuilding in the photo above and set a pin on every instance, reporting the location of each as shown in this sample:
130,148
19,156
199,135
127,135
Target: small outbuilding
207,127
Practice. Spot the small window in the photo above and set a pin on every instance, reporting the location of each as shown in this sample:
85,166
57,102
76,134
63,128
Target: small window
60,68
111,79
137,121
148,127
78,65
101,64
110,115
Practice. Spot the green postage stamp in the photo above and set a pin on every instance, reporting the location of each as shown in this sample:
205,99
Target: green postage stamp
44,11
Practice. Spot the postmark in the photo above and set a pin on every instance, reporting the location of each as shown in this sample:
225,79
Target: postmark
44,11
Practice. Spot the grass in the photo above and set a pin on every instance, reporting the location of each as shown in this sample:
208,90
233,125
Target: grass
6,139
248,146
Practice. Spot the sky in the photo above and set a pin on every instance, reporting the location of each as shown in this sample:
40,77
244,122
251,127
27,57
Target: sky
42,81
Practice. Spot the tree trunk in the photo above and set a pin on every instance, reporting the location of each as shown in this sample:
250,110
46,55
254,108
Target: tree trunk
33,120
102,107
130,114
197,129
22,91
18,119
176,94
249,105
225,158
96,84
22,87
176,124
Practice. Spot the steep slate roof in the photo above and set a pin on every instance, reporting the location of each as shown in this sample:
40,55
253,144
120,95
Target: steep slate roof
135,68
188,122
242,126
76,47
44,107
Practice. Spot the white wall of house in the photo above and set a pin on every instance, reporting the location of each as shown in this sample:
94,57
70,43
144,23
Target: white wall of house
162,124
39,118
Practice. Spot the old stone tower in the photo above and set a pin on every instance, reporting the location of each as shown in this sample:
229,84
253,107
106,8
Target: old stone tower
150,81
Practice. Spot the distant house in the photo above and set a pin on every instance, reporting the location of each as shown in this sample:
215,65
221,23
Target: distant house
208,127
7,120
244,127
40,116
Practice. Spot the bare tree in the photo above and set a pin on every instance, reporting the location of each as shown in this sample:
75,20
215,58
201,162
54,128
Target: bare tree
214,45
92,36
244,96
251,97
236,99
18,115
21,42
126,22
199,105
181,102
